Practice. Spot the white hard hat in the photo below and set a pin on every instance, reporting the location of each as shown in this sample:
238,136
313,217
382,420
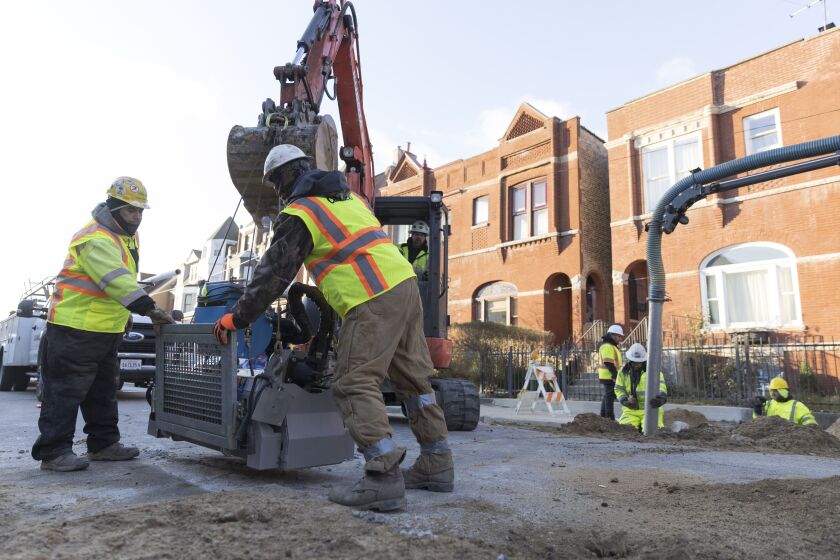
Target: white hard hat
419,227
280,156
636,353
616,329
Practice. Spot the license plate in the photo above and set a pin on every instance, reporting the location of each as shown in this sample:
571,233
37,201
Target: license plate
131,364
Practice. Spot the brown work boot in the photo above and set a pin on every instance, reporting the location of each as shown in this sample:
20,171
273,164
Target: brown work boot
114,452
431,471
381,489
65,463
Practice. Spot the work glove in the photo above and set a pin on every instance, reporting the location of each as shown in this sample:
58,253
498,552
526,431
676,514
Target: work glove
758,405
658,400
629,402
160,317
223,326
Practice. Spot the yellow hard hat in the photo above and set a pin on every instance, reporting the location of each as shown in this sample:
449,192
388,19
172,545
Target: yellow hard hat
778,383
129,190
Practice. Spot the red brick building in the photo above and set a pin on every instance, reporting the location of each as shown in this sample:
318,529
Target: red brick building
764,257
530,225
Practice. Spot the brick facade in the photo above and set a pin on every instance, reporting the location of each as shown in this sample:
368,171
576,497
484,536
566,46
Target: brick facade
539,280
799,83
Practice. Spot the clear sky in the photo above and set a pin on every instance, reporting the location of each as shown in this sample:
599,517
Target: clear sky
90,90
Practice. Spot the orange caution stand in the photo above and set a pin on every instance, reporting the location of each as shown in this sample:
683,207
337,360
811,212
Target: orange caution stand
544,376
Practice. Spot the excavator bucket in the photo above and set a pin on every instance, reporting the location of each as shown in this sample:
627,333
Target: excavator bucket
247,148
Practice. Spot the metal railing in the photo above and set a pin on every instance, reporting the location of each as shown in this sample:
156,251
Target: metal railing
722,369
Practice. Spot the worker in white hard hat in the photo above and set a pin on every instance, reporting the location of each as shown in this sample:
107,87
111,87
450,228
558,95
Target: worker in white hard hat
89,310
416,249
630,386
783,405
333,232
610,357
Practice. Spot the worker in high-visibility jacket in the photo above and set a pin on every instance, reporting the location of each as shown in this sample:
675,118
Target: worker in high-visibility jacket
416,249
610,357
90,309
783,405
374,289
630,388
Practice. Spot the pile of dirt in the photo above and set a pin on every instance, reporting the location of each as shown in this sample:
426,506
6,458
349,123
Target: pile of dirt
588,424
270,524
834,429
690,417
772,432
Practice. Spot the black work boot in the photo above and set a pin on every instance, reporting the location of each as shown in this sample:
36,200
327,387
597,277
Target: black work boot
65,463
431,471
114,452
381,489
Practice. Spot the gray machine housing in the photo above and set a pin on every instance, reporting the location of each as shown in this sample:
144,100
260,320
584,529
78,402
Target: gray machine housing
272,423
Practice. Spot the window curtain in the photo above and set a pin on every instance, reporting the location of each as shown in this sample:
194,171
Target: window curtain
747,297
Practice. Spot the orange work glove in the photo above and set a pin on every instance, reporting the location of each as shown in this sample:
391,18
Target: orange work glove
222,327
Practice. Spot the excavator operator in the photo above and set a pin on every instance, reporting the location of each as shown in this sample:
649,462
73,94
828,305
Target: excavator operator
362,275
416,249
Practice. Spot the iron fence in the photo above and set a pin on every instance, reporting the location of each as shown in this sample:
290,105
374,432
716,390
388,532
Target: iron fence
722,369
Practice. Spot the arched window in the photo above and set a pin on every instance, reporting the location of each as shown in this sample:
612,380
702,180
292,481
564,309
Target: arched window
751,285
496,303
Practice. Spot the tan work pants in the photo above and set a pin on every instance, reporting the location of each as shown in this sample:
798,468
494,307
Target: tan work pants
384,336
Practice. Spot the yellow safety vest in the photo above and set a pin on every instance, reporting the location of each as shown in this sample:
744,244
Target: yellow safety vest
792,411
98,281
421,260
609,354
352,260
623,387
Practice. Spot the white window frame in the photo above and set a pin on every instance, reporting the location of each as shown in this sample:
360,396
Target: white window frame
528,187
509,299
771,267
672,171
475,221
777,129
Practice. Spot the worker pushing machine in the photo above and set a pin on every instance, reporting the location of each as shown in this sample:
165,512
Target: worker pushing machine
783,405
90,309
610,356
416,249
630,389
374,289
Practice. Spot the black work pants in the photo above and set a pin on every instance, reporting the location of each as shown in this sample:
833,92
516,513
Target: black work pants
608,402
79,370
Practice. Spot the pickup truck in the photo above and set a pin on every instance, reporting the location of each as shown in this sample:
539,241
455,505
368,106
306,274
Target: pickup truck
22,331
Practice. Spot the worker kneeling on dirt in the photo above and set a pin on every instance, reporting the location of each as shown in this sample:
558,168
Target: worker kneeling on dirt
630,389
90,309
416,249
374,289
783,405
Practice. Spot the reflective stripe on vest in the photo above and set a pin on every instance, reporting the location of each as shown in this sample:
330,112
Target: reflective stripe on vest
792,412
348,242
79,301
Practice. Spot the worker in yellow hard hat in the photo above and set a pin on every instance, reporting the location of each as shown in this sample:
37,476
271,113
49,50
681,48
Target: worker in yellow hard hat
94,296
783,405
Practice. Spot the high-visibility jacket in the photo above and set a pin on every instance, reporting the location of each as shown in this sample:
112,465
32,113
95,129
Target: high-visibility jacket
97,283
608,354
792,411
421,259
352,260
624,387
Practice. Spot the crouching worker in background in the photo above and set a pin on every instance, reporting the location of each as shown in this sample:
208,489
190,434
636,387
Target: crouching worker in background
630,389
783,405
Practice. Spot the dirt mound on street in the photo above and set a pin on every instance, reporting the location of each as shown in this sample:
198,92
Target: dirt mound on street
270,524
589,423
772,432
834,429
690,417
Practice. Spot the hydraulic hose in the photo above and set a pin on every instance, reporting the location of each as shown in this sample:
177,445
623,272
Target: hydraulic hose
656,269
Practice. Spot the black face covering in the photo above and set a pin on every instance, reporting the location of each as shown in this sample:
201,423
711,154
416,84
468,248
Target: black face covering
114,206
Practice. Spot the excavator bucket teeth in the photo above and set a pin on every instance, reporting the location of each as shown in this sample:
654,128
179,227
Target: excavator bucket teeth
247,148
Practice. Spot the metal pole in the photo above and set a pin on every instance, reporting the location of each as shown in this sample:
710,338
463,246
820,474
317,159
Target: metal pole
654,366
510,371
564,384
481,367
